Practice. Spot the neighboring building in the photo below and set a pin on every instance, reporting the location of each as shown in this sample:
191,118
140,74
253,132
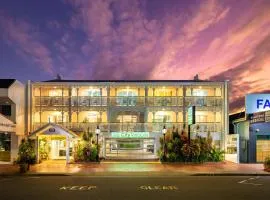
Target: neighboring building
12,118
253,127
129,114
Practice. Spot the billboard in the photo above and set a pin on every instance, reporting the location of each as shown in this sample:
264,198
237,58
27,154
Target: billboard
257,103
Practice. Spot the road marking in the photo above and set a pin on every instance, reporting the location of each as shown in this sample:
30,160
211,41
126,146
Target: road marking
247,181
158,187
78,188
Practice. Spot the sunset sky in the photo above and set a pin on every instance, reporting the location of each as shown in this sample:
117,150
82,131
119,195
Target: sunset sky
138,39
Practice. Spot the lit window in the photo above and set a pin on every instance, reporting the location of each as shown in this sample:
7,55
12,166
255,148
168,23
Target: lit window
55,92
163,116
93,93
199,92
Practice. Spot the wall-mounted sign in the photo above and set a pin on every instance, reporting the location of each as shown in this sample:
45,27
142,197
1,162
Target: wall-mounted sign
130,134
191,115
256,117
52,130
257,103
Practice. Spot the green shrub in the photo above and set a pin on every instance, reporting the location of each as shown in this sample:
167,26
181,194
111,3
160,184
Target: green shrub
216,155
26,153
172,157
170,147
267,163
177,148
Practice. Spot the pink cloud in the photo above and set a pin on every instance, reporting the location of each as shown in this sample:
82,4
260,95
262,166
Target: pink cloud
23,37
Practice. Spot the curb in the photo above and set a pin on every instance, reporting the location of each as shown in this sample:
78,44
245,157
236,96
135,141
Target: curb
130,174
230,174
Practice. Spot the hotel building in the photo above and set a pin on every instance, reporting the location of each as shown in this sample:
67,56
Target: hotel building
129,114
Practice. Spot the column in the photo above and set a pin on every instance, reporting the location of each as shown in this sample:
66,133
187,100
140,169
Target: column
100,89
145,96
37,149
77,94
108,109
69,108
184,107
177,96
67,149
62,110
40,106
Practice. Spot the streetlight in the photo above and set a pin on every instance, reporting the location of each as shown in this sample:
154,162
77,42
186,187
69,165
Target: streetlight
164,130
97,133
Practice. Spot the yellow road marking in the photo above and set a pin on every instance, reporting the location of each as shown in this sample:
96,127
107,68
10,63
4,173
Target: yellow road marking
78,188
158,187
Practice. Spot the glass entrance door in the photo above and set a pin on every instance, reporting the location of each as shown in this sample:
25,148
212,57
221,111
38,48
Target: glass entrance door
58,149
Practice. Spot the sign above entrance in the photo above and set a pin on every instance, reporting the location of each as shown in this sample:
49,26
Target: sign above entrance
130,134
257,103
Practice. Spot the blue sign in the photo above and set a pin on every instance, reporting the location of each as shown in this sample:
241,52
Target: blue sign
257,103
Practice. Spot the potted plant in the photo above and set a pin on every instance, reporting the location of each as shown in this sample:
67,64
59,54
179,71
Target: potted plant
26,155
267,164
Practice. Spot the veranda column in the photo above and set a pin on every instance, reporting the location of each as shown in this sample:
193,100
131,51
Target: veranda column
67,149
36,149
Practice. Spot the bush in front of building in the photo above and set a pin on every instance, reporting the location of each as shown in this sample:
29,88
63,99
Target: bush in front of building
267,164
176,148
26,155
86,150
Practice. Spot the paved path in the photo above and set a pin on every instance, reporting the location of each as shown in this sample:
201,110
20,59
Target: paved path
144,187
142,167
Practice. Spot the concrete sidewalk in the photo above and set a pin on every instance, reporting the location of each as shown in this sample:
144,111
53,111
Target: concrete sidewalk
138,168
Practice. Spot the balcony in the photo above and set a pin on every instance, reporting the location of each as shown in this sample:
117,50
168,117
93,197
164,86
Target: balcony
127,101
123,101
206,126
165,101
135,127
52,101
204,101
71,101
86,101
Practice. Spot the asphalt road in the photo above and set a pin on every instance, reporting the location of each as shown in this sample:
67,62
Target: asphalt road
139,187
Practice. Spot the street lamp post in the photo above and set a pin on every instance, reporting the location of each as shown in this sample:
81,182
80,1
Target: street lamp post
97,133
164,130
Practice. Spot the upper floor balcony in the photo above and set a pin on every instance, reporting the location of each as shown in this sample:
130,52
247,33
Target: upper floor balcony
136,127
122,101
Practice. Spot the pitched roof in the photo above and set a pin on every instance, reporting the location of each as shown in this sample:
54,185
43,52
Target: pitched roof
52,125
6,83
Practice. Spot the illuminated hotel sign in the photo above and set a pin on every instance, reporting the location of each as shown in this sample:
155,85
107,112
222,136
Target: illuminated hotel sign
257,103
130,134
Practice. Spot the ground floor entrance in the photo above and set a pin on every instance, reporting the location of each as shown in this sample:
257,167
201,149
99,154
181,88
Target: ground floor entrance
262,147
130,148
53,147
54,142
